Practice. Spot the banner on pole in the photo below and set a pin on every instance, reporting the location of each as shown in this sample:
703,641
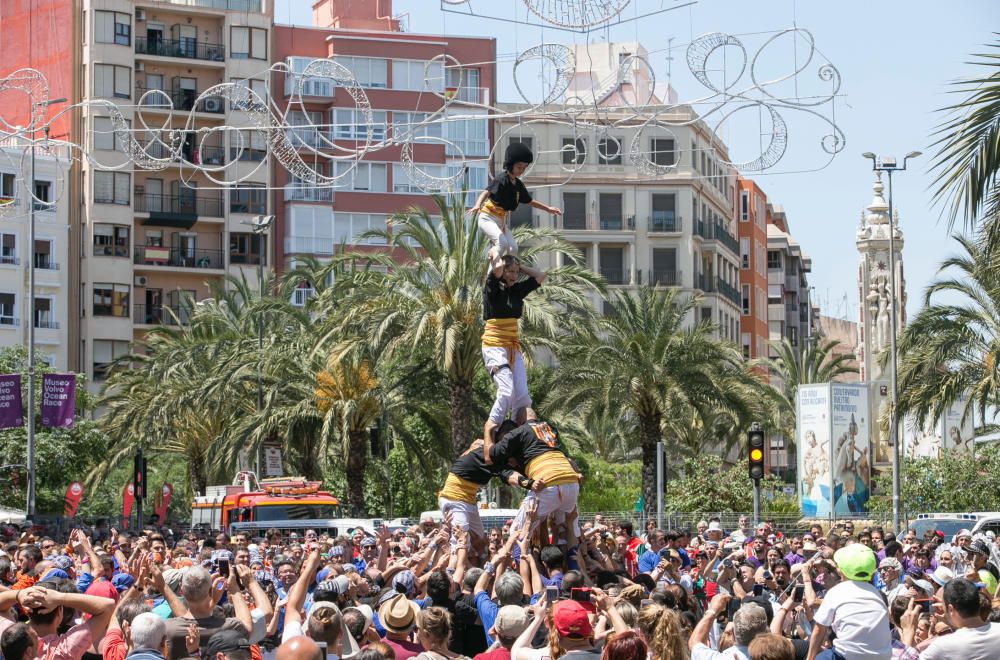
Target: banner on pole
58,400
163,501
74,493
11,411
272,460
128,497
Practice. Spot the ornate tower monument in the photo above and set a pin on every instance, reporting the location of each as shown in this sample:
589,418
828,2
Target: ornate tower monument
878,304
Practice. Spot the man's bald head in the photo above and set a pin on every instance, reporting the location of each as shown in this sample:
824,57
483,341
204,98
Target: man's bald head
299,648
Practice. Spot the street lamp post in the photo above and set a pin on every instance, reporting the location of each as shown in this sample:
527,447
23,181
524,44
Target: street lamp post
31,320
260,225
888,165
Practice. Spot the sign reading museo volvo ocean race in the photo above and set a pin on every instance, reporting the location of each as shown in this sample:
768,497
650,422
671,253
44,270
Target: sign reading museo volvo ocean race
833,436
11,411
58,399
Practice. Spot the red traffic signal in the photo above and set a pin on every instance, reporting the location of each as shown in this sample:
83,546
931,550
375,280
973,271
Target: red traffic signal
755,454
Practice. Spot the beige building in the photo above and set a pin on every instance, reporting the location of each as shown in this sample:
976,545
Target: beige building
49,254
153,238
665,217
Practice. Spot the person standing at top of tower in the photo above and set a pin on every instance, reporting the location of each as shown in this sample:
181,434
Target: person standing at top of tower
501,198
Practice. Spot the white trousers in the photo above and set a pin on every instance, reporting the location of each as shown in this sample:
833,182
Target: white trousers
464,516
502,239
511,381
554,500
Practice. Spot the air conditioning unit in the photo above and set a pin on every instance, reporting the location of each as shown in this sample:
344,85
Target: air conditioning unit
140,66
213,104
140,280
140,14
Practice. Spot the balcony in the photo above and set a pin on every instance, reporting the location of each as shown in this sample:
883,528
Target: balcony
665,222
592,222
717,232
178,257
196,155
9,260
229,5
729,292
309,86
9,321
480,95
295,193
46,322
184,48
664,278
45,262
107,250
615,276
306,136
184,99
177,210
159,315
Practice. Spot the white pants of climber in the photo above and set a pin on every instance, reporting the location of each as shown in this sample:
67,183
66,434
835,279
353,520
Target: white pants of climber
554,500
464,516
501,239
511,381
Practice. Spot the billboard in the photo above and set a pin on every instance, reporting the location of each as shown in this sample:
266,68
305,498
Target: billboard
833,434
948,434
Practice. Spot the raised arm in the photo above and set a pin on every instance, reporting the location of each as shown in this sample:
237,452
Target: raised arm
700,633
538,275
297,595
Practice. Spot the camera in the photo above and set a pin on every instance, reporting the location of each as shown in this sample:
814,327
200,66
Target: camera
727,563
581,594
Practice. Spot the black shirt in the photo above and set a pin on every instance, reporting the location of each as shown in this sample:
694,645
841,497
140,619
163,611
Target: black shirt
471,467
528,441
508,194
505,302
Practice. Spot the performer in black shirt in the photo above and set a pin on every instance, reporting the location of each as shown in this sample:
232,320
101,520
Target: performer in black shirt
501,197
503,303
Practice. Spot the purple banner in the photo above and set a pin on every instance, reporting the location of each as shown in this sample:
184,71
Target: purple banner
11,413
58,399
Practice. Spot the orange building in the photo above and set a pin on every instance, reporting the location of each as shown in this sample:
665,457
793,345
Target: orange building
751,216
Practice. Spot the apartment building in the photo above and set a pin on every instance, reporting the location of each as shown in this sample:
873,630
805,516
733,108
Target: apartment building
407,78
751,205
48,256
142,241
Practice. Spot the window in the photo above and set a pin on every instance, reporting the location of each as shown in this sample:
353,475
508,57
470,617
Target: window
574,151
773,260
469,137
247,248
43,194
350,124
526,140
412,75
694,155
247,145
112,187
112,27
401,182
369,71
302,293
665,267
611,210
248,43
112,81
746,346
574,210
43,255
8,249
411,124
249,199
473,180
8,182
664,213
744,206
244,100
8,303
464,82
774,294
105,136
706,314
310,230
612,260
348,227
111,299
661,151
298,84
111,240
609,151
744,253
44,314
746,299
364,177
106,351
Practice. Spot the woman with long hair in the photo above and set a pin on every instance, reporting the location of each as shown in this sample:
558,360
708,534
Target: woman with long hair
662,629
626,646
433,633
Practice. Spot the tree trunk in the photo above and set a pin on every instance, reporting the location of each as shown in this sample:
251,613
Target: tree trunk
357,461
197,475
649,429
460,401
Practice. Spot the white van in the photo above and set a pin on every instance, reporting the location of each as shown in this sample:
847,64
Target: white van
951,523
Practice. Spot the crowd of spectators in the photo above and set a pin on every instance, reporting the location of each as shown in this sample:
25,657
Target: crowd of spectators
612,592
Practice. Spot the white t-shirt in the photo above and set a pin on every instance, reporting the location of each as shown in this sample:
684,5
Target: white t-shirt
702,652
982,643
859,618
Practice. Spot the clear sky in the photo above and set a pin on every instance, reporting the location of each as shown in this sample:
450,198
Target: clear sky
896,58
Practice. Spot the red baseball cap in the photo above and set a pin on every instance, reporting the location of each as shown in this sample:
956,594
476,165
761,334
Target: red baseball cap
571,618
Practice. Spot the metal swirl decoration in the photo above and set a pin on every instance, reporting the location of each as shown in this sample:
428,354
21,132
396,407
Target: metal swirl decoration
589,111
576,14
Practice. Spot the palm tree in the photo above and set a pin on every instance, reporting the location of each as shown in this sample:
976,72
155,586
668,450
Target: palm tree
432,300
952,346
968,157
647,359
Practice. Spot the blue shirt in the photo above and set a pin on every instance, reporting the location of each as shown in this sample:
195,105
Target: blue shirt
648,561
487,613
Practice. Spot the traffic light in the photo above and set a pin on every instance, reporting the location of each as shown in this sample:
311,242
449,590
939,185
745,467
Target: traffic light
755,452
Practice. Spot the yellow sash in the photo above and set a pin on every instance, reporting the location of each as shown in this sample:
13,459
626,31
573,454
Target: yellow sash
502,333
552,468
490,208
458,489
